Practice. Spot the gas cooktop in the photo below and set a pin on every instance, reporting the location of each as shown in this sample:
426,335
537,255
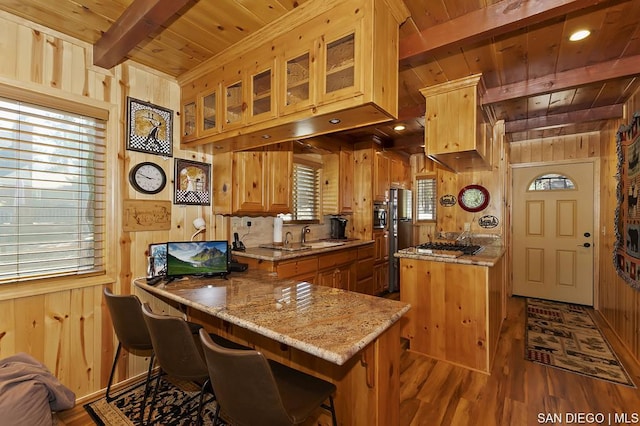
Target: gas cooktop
448,249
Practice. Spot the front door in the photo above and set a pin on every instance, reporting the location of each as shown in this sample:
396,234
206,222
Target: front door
553,214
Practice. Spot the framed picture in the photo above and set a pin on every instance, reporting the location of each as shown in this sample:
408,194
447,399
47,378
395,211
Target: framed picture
149,128
192,182
159,254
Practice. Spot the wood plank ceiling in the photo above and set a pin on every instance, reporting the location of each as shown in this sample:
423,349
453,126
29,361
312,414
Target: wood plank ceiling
538,81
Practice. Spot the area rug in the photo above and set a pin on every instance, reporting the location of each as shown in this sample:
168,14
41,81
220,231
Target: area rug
172,408
565,336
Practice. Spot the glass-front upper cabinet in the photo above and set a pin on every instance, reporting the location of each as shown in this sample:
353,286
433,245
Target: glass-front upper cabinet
209,109
262,100
297,75
233,104
189,120
340,65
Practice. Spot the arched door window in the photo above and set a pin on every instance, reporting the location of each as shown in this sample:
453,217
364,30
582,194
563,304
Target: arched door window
551,182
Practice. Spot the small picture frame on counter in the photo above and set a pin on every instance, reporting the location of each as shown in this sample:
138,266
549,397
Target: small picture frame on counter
158,257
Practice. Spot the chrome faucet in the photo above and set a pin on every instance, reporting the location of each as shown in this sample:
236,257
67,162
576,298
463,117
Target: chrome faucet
286,238
303,237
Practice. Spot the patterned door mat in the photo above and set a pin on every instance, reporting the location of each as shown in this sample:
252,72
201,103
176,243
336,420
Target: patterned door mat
565,336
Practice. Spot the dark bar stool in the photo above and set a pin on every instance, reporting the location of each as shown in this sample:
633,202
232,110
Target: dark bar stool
132,334
255,391
179,352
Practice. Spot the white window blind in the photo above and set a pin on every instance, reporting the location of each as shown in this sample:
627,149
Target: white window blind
306,188
52,192
426,199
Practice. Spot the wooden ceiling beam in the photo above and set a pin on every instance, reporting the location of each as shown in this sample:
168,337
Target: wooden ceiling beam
482,24
139,20
603,71
564,119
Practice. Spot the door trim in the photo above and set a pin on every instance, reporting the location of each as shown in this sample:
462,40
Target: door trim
598,227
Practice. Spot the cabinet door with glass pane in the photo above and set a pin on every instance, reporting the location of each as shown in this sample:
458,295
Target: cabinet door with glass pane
209,112
189,120
298,74
234,105
341,66
262,102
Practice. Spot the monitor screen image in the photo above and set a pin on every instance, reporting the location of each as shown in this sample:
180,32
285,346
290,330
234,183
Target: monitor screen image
197,258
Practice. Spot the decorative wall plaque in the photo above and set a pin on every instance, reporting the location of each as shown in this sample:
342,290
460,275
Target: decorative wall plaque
448,200
149,128
488,221
192,182
146,215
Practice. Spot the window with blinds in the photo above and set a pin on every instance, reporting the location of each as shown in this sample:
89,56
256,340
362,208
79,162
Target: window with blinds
52,192
306,189
426,198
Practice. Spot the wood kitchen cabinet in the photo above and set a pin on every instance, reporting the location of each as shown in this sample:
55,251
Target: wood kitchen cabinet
381,181
339,268
246,184
337,185
364,271
290,78
340,277
200,113
380,261
456,310
456,135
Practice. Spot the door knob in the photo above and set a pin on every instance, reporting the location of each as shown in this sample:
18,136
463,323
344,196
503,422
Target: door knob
584,245
586,234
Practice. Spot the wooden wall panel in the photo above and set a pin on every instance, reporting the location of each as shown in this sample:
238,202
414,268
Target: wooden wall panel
618,303
64,325
452,219
584,145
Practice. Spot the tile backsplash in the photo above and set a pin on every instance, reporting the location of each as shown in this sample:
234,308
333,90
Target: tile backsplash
261,230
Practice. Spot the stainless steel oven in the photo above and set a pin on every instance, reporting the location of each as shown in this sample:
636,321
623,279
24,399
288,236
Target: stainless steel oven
379,216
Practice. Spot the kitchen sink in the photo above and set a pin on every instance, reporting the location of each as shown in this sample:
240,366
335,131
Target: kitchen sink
290,247
323,244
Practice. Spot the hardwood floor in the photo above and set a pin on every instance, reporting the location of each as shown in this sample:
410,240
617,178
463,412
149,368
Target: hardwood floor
517,392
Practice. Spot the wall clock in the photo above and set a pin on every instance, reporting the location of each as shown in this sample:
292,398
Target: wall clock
473,198
147,178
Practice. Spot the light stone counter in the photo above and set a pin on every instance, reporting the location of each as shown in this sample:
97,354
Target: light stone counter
329,323
273,255
487,257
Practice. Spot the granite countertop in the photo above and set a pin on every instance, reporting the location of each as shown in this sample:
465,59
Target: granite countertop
329,323
487,257
273,255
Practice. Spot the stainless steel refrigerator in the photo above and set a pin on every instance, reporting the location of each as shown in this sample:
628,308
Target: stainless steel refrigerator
400,231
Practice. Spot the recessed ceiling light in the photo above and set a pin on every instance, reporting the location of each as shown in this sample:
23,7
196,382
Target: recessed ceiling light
399,127
579,35
334,121
266,136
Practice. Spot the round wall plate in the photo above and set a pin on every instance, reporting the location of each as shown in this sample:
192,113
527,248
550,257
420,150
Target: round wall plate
473,198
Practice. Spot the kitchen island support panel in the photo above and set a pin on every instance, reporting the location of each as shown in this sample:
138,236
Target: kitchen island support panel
457,310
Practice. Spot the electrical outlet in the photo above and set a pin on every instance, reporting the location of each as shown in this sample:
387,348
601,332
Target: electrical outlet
467,226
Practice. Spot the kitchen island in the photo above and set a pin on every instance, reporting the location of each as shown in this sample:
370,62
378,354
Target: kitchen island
350,339
458,305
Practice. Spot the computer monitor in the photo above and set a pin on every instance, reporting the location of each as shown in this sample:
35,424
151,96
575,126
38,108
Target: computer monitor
206,258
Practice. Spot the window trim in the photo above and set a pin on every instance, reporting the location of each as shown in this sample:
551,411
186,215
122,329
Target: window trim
425,176
69,102
319,175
